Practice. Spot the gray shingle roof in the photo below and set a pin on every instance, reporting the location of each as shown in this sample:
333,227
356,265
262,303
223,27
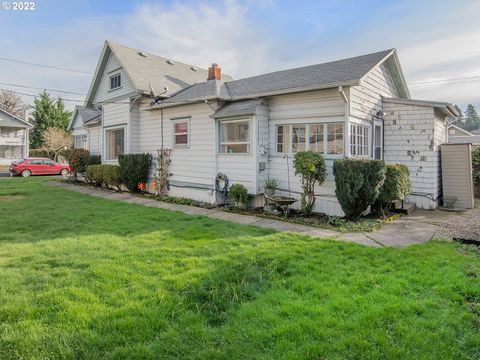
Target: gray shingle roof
10,120
237,108
160,72
89,115
335,73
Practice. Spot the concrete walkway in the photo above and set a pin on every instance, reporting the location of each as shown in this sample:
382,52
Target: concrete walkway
402,232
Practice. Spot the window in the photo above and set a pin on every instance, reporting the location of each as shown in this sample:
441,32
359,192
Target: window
35,162
315,138
378,142
358,140
180,133
49,162
283,138
324,138
80,142
115,143
335,139
115,81
234,137
298,138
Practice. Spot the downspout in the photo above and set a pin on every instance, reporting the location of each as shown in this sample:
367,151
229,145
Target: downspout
161,129
344,97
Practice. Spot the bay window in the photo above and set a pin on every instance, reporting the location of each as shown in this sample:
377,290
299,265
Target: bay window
234,136
324,138
114,143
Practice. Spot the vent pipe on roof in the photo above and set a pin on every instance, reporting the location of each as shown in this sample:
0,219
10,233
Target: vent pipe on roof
214,72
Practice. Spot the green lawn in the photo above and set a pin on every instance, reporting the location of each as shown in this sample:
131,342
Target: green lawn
86,278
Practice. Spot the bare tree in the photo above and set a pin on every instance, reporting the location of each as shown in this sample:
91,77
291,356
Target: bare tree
55,140
12,103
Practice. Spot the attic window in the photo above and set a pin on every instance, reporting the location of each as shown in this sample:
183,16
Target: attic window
170,62
115,81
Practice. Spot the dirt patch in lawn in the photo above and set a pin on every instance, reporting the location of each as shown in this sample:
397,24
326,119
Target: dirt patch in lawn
9,197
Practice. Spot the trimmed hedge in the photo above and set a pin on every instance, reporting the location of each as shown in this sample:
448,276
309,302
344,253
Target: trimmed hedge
104,175
476,166
94,160
357,184
397,185
134,169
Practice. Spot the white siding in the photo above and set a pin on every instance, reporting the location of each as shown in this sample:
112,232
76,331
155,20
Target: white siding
366,99
412,137
263,140
94,140
309,107
115,114
104,93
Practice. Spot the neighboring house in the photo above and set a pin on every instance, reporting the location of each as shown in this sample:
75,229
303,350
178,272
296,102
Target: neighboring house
13,137
250,129
457,135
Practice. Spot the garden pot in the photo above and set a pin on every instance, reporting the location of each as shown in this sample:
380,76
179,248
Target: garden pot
269,192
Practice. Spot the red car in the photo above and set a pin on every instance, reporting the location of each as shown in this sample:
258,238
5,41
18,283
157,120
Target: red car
38,166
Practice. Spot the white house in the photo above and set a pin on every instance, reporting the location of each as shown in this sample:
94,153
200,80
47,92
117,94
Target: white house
250,129
13,137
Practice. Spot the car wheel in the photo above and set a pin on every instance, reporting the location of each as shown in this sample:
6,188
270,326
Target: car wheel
64,172
26,173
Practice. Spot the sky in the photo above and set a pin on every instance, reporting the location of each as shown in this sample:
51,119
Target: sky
438,42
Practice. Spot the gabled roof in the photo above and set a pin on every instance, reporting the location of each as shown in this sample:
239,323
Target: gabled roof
447,108
465,132
88,116
10,120
237,108
144,69
346,72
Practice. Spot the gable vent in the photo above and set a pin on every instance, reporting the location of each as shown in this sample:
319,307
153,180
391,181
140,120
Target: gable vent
170,62
142,54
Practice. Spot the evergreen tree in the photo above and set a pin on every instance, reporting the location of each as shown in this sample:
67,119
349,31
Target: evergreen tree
459,120
472,119
48,113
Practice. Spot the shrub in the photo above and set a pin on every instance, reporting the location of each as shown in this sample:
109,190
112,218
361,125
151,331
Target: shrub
94,175
476,166
134,169
397,186
94,160
40,153
357,184
312,169
238,195
111,175
78,160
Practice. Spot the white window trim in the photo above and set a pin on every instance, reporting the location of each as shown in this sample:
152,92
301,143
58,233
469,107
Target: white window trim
357,145
114,127
84,142
110,81
176,121
307,138
249,142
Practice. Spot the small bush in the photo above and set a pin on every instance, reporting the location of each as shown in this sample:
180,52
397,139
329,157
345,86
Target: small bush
78,160
94,160
357,184
476,168
94,175
238,195
312,169
41,153
111,176
397,186
134,169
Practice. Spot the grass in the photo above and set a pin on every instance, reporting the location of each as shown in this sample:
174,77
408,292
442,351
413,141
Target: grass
88,278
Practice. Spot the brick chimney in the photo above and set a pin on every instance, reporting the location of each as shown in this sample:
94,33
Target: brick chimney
214,72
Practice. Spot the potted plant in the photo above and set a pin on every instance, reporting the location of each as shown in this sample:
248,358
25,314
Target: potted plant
270,185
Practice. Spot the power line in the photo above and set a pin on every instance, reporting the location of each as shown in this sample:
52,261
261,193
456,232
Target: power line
45,66
38,88
63,99
428,82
